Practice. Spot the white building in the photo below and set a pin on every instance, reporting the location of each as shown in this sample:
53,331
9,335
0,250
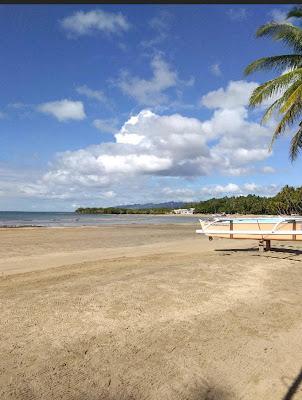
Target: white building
184,211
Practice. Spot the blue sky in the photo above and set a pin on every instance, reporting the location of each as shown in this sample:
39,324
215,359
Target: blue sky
116,104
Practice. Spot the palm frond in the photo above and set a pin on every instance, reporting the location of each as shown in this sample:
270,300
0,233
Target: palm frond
295,97
296,144
281,101
288,119
278,63
269,111
291,35
295,12
272,87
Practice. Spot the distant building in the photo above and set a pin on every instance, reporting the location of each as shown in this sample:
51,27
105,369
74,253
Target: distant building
184,211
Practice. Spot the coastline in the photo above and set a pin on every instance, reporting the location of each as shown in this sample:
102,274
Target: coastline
100,220
23,220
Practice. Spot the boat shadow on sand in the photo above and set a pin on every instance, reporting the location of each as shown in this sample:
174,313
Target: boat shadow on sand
285,250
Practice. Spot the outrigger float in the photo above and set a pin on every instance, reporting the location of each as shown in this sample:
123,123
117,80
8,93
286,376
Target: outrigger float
262,229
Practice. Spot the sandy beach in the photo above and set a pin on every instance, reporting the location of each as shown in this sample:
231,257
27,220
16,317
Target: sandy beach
147,312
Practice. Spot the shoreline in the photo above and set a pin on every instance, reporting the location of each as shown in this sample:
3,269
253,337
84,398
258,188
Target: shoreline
129,225
129,219
96,220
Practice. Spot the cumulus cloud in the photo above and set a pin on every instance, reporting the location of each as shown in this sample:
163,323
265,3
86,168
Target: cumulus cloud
64,110
150,147
147,144
91,93
236,94
24,187
85,23
174,145
106,125
153,91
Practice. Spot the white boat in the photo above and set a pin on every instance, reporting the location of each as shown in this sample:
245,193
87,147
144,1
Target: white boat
263,229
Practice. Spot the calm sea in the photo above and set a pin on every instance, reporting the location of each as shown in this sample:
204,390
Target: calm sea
52,219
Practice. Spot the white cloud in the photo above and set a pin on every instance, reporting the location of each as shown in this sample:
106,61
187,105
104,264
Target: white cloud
177,193
232,189
91,93
109,195
162,21
106,125
278,15
23,187
147,144
64,109
84,23
160,24
216,190
215,69
174,145
237,14
261,190
150,91
268,169
150,147
236,94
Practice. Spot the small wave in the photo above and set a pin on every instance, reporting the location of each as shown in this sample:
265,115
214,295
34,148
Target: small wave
21,226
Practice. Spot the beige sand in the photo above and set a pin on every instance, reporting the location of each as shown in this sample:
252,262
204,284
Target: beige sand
147,312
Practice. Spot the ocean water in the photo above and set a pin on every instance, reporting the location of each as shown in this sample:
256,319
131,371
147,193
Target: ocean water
53,219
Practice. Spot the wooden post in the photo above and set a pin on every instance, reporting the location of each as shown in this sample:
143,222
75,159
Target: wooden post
260,245
231,228
267,245
294,228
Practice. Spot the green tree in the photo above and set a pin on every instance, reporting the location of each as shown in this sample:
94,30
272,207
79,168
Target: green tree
285,89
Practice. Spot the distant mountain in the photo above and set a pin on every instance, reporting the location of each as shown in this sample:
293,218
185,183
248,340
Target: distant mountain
168,204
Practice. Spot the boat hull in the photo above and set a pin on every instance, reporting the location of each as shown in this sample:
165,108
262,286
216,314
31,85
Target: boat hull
287,231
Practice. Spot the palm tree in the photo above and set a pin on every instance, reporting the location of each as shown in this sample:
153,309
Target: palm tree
286,89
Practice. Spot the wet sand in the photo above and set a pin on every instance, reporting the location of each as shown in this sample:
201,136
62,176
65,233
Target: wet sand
147,312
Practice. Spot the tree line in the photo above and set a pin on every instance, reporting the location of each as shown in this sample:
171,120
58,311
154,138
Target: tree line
121,210
287,201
